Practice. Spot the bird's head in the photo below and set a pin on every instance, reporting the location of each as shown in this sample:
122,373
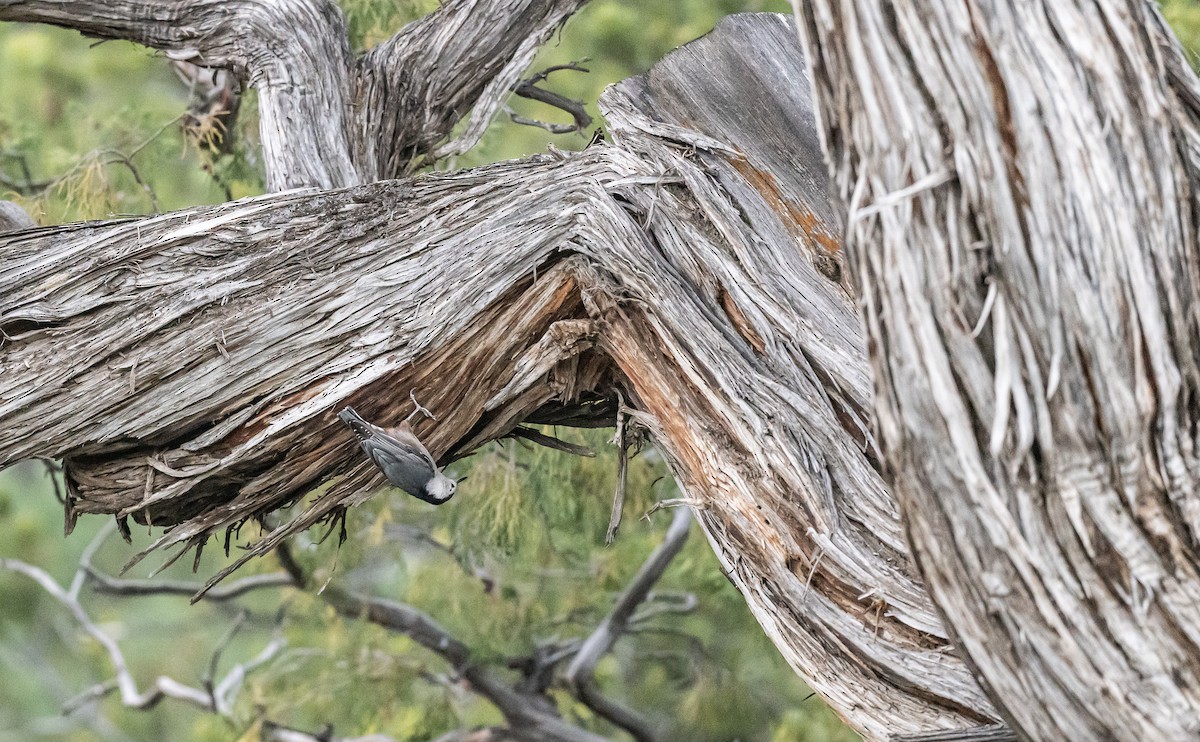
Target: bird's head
441,488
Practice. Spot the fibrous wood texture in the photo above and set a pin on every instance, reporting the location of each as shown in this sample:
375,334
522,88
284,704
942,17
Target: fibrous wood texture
1019,183
189,367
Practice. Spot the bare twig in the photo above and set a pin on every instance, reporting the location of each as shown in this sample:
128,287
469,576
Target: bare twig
659,603
208,680
219,700
226,691
517,118
412,534
528,89
418,408
164,687
54,471
115,586
580,675
85,559
537,669
673,502
27,185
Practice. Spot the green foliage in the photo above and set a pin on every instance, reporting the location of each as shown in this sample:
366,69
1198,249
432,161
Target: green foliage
1184,17
91,119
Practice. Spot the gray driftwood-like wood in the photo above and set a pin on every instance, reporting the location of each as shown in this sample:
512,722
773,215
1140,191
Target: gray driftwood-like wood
1020,187
13,217
188,367
329,118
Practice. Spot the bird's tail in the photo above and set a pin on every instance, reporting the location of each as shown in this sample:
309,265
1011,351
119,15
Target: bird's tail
355,421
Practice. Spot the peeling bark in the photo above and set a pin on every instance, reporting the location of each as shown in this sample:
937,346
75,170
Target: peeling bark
1020,182
188,367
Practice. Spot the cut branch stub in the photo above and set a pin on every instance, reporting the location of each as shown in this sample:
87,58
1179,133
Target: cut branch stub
190,366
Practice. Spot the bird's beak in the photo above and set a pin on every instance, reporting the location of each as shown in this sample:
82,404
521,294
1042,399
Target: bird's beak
460,480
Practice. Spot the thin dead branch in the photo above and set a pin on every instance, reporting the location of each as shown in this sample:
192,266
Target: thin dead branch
549,441
618,440
218,699
114,586
528,89
529,715
580,674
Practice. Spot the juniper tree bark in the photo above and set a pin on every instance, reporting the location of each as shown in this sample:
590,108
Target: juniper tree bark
1020,185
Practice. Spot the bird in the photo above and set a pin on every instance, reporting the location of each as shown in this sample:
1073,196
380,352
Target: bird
402,458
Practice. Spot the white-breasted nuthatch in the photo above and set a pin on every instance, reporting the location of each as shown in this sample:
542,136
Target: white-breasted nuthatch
402,458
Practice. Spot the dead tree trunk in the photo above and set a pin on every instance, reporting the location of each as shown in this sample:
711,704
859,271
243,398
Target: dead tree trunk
188,367
1020,182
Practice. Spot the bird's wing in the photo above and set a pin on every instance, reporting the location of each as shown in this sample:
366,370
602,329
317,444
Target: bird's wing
403,433
403,465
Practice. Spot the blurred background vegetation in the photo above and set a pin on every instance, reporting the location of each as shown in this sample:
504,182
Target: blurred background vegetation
92,130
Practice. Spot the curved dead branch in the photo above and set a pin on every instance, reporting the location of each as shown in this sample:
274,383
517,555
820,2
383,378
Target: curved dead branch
414,88
581,673
301,75
214,696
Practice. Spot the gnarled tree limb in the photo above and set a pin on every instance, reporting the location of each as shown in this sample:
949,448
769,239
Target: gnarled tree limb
413,88
189,366
328,119
580,674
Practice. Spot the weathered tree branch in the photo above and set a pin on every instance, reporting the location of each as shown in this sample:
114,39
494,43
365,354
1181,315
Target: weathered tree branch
114,586
1020,207
529,89
414,88
327,119
523,703
217,698
301,75
530,717
189,366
